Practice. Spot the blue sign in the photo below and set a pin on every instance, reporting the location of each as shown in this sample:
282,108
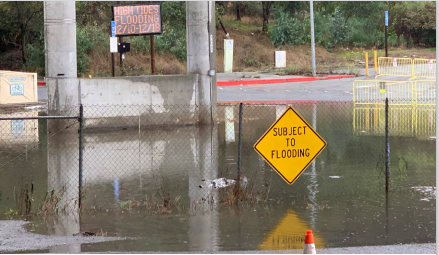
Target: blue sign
386,18
113,28
17,79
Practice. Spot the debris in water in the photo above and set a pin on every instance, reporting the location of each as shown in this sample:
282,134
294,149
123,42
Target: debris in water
428,191
222,183
335,177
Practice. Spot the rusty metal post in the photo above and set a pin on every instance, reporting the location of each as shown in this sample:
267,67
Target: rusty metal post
151,40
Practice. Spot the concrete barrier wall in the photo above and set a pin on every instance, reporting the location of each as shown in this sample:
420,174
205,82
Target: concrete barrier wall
128,101
144,100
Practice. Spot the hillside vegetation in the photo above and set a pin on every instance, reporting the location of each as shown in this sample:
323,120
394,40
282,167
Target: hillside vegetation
344,30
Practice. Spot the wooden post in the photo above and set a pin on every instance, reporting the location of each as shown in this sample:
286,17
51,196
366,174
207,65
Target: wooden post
112,64
151,40
120,56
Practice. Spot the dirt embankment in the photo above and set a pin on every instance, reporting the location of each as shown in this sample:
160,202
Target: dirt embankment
253,51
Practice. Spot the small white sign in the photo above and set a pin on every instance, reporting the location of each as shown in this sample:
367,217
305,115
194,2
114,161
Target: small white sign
17,89
229,44
395,64
113,44
17,127
280,58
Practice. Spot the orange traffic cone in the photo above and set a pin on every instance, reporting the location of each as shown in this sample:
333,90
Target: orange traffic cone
309,248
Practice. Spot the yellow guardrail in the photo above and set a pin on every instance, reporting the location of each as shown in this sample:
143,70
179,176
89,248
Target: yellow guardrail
407,67
395,67
421,92
374,91
425,92
424,68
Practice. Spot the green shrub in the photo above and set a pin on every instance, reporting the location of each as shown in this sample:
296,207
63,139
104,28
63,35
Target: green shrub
339,30
89,38
289,30
362,34
401,41
36,57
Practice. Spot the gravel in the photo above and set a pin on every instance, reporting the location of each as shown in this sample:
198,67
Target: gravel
14,237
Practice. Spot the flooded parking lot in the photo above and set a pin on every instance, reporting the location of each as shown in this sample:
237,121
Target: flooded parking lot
130,174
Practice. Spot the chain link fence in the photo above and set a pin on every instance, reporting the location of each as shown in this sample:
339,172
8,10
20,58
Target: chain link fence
163,155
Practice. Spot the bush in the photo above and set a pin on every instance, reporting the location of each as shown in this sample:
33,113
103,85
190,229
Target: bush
289,30
36,58
89,38
172,41
392,40
339,30
361,34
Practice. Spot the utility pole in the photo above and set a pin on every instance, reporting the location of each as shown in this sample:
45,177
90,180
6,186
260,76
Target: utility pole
313,52
200,34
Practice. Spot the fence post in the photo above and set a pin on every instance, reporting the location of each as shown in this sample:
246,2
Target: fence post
367,64
80,131
238,178
387,144
375,63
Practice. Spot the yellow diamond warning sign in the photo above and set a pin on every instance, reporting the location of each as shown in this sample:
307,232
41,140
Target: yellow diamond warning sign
290,145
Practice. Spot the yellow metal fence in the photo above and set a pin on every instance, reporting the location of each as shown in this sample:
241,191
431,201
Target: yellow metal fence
424,68
395,66
398,92
407,67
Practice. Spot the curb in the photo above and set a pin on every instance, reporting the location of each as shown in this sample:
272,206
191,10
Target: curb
264,81
268,81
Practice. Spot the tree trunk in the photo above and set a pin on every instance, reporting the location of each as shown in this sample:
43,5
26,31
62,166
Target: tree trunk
265,13
238,13
23,44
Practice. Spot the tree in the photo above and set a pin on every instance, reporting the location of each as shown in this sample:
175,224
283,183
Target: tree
266,7
21,20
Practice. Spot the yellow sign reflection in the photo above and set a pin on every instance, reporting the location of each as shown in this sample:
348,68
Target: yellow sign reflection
289,234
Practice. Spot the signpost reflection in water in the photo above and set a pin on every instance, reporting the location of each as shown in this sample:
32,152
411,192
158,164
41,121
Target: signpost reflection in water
348,210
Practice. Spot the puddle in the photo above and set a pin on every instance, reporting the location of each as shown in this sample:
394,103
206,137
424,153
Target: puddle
341,196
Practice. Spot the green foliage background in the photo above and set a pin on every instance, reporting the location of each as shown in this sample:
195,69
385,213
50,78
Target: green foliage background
337,24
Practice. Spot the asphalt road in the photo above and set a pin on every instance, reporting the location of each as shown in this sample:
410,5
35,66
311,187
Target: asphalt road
339,90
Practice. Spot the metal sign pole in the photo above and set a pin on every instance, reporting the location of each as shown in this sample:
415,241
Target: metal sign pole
151,40
113,34
386,20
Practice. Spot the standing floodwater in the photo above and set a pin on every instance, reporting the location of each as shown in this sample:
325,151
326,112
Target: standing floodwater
172,187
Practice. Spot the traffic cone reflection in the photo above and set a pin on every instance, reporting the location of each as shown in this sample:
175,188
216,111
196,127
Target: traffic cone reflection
310,247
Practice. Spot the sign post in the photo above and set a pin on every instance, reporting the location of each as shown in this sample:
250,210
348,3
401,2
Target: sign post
113,45
290,145
386,24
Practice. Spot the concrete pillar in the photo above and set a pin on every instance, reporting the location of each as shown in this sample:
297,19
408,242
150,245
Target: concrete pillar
201,50
60,48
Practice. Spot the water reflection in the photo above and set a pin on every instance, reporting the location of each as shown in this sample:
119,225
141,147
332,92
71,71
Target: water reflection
63,183
340,197
408,120
289,234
